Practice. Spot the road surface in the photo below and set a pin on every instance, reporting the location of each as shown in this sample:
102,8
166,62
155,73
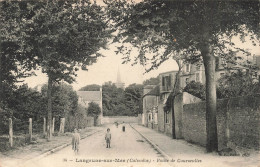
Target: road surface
127,149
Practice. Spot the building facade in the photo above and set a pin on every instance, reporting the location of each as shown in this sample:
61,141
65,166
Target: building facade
85,97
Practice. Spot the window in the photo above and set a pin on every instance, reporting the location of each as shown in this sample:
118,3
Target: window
150,117
167,119
197,77
187,68
187,80
166,82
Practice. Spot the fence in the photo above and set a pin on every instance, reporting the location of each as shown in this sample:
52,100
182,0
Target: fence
23,132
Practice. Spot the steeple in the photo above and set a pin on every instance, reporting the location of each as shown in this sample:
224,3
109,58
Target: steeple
119,83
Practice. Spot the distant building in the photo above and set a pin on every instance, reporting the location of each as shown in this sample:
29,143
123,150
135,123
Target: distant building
85,97
196,72
159,104
150,103
119,83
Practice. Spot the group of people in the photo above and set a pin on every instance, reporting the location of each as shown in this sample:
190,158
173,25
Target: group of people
76,139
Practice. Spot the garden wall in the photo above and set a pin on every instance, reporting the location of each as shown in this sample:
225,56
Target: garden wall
238,122
120,119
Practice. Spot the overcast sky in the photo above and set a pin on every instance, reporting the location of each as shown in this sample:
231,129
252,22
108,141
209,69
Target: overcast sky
106,69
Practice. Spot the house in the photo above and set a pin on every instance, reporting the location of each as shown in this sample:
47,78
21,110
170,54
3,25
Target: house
154,114
150,107
196,72
148,100
85,97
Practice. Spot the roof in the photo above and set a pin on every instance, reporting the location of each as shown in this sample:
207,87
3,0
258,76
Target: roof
154,92
149,86
167,72
90,95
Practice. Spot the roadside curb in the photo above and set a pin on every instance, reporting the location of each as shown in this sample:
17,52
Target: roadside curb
55,150
154,145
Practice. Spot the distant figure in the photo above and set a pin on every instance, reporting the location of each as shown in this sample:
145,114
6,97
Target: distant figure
108,137
75,141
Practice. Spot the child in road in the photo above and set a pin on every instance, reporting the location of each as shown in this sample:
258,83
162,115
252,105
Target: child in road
75,141
108,137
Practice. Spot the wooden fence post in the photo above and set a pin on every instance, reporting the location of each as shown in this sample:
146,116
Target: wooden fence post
44,126
11,132
53,124
30,128
62,124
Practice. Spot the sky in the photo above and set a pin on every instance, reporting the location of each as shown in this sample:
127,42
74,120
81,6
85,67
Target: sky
107,67
106,70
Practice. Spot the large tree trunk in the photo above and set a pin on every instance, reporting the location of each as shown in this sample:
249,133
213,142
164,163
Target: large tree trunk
175,92
1,82
49,109
211,124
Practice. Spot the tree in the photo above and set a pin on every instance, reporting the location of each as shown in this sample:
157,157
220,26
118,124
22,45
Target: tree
152,81
112,97
64,100
196,88
237,83
16,58
94,110
133,98
199,30
65,36
93,87
24,103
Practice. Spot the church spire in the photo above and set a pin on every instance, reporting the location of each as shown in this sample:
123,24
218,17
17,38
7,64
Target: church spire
119,83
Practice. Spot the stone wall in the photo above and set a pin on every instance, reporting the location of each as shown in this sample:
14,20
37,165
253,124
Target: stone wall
140,117
179,101
160,118
238,122
120,119
90,121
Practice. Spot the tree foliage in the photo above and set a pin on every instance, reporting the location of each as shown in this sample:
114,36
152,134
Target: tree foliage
93,87
61,36
194,30
23,103
119,102
196,88
93,109
112,98
134,98
152,81
64,99
238,83
16,58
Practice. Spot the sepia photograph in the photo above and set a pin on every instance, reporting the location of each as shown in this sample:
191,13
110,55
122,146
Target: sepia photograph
129,83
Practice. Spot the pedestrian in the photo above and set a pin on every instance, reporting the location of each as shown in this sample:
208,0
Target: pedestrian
75,141
108,138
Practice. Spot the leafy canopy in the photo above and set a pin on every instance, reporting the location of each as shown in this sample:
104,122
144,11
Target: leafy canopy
162,29
66,35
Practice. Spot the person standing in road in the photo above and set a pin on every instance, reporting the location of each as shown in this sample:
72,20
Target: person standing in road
108,138
75,141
